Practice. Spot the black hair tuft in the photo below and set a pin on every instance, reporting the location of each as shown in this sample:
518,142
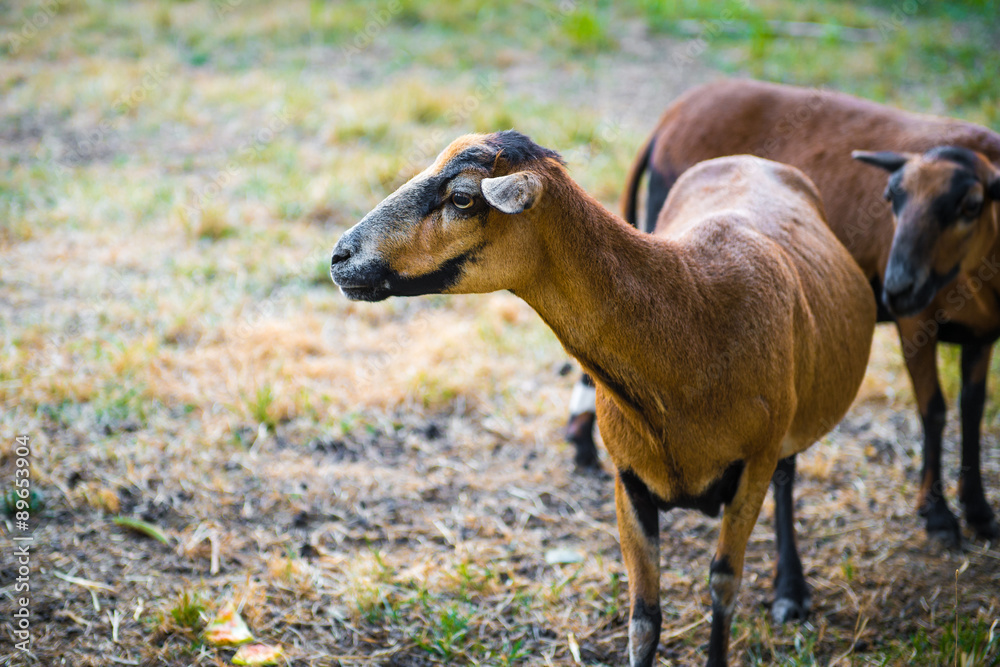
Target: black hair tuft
961,156
517,149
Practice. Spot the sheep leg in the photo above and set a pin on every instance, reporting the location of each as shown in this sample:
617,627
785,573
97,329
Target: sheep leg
726,571
791,594
975,368
639,530
580,429
920,353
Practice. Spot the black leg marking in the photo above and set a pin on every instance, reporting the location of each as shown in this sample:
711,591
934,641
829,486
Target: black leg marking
791,594
643,502
721,566
722,581
580,433
638,524
718,644
978,513
941,524
718,493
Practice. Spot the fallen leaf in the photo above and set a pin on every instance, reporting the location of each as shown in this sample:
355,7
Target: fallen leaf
141,527
562,556
227,628
257,655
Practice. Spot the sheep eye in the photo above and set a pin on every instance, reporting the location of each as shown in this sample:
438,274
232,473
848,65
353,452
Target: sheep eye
971,207
461,201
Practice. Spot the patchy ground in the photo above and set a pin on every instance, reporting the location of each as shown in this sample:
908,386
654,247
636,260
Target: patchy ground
422,539
382,483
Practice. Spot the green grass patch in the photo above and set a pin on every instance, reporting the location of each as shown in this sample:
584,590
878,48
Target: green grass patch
188,611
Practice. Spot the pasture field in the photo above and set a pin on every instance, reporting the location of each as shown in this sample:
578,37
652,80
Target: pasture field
386,484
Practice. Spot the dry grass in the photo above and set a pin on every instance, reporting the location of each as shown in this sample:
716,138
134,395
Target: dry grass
373,484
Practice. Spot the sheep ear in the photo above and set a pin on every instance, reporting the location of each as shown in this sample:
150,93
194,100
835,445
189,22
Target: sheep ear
885,159
513,193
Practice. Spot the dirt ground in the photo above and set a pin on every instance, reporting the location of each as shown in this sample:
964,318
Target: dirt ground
462,509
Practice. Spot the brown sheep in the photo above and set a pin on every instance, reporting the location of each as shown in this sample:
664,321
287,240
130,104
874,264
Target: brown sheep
936,269
732,338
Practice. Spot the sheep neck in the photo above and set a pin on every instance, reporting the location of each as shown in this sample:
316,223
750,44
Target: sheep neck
613,296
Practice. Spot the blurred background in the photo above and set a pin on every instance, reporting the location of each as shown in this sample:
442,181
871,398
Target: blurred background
387,483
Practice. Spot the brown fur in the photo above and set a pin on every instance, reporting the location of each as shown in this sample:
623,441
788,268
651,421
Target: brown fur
816,131
722,338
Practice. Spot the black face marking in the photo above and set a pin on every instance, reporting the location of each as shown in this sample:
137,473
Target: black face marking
514,148
517,149
643,502
912,302
378,282
434,282
475,158
428,195
895,194
431,193
946,206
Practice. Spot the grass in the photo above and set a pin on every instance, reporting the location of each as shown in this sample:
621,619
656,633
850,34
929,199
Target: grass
261,406
172,179
189,611
901,57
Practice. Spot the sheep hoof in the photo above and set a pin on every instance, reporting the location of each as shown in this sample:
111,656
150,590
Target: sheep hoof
785,610
948,539
587,462
941,524
980,518
986,530
943,527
